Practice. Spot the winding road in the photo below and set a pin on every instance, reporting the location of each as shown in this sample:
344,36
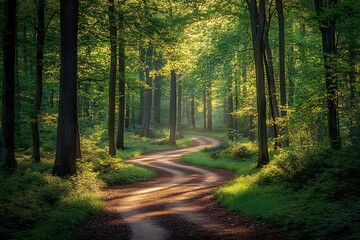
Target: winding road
178,204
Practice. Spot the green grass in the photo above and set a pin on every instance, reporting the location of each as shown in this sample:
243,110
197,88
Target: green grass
311,194
34,204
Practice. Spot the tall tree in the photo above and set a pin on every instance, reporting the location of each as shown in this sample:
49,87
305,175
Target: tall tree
121,122
283,102
257,19
172,111
327,24
179,101
112,78
157,91
40,40
209,107
145,123
270,76
68,142
8,87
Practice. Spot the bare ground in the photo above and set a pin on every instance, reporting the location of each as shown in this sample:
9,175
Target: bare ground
178,204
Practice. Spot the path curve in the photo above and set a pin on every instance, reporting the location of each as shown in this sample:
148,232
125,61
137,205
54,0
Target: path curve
176,205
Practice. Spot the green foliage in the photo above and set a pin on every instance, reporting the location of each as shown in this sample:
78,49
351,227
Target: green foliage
238,151
312,194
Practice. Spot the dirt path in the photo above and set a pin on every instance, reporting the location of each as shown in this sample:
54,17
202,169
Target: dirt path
176,205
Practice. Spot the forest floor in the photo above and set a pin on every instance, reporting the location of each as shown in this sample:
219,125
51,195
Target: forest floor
178,204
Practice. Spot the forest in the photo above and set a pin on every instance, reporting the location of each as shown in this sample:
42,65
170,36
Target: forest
88,84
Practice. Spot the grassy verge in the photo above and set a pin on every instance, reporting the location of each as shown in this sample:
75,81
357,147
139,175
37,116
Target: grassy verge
311,194
34,204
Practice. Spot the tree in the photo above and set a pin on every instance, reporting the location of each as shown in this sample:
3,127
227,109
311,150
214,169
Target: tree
283,102
145,123
40,41
172,110
68,141
122,56
112,78
327,24
257,19
8,87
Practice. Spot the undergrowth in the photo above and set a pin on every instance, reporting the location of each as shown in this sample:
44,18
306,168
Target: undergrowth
312,194
34,204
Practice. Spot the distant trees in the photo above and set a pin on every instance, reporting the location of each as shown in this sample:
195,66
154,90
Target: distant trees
8,87
68,141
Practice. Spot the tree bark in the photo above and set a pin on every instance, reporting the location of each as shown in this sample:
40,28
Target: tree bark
257,18
172,111
68,140
121,122
112,78
8,87
145,123
328,35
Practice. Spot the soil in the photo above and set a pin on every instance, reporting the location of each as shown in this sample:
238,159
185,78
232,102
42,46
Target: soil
178,204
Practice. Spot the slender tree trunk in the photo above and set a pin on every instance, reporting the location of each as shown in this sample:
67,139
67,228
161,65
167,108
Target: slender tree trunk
157,92
230,109
204,107
209,108
274,109
142,54
236,121
291,71
257,18
127,116
121,122
172,111
354,134
179,108
145,124
192,111
112,79
283,101
8,87
328,34
67,131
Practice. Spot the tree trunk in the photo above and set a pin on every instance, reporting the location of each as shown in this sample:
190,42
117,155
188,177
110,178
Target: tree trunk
145,124
204,106
209,108
112,79
328,35
67,131
291,71
274,109
157,92
142,54
179,108
8,87
230,109
121,122
192,111
257,27
172,111
283,102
